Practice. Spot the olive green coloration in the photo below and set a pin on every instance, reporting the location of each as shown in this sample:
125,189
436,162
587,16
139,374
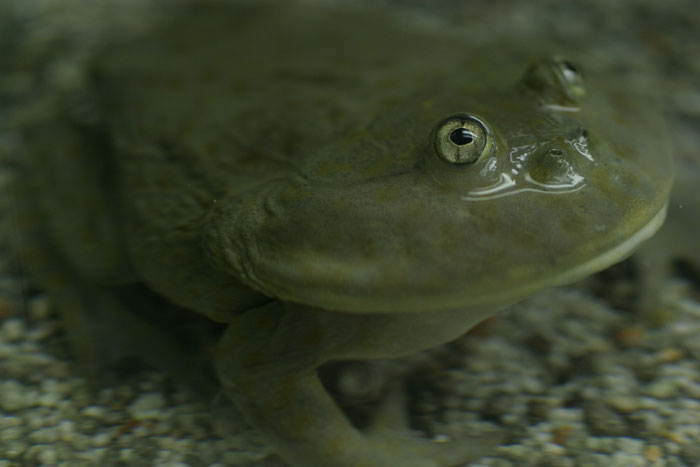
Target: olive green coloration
331,185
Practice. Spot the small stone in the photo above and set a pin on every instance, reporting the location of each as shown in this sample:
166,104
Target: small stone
126,454
629,336
44,435
47,456
94,411
662,389
623,404
50,399
66,430
101,439
653,453
39,308
14,396
560,435
149,405
12,330
94,455
670,355
675,437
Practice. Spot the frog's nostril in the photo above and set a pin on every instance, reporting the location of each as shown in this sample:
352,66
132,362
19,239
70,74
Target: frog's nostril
552,168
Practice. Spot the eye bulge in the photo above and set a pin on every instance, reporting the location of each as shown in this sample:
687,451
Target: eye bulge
461,139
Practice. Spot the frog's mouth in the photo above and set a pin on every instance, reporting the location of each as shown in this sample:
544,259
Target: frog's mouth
400,246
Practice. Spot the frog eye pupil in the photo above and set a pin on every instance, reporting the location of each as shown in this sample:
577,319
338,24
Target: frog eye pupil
461,136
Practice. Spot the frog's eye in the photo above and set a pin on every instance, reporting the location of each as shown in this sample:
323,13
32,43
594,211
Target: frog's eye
570,75
461,139
557,81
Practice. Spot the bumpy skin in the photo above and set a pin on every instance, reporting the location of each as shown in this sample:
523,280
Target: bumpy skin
287,172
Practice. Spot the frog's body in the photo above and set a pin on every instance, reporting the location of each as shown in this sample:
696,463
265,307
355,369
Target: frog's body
333,186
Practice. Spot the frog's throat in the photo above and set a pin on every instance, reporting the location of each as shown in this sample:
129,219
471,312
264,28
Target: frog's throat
620,252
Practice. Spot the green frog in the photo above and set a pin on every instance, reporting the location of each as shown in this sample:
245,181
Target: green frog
328,184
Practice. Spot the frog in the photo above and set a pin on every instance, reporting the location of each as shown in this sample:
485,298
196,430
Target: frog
327,184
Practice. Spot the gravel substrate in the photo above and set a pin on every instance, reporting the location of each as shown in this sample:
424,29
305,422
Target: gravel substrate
574,376
572,381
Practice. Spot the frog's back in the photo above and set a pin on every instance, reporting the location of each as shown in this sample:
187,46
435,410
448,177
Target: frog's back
273,82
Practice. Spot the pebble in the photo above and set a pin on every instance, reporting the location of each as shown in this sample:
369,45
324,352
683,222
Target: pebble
147,406
12,330
13,397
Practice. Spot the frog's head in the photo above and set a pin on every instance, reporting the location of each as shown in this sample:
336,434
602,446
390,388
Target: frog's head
472,197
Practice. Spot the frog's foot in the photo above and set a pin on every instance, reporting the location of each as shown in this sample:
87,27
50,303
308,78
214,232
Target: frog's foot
442,453
391,424
106,325
267,362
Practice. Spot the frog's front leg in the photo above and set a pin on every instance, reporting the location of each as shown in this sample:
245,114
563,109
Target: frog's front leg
267,361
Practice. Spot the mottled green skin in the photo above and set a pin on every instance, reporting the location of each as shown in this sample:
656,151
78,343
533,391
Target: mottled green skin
284,164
